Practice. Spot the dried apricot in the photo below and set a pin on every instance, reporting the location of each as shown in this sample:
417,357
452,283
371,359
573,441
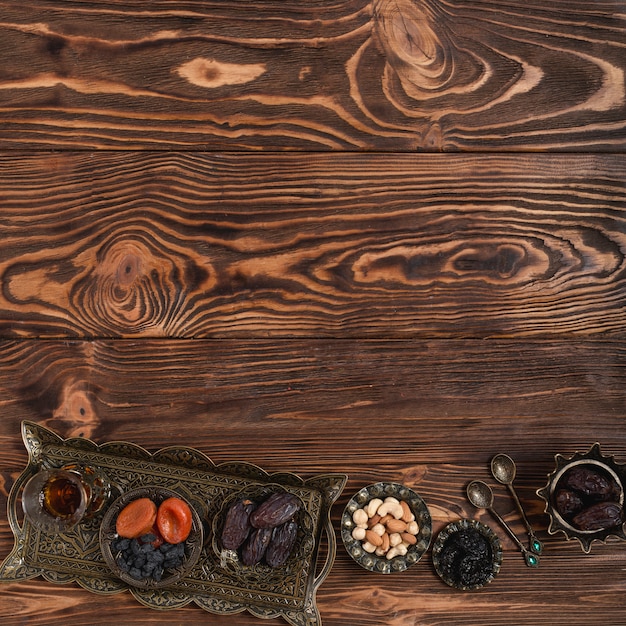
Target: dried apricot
136,518
174,520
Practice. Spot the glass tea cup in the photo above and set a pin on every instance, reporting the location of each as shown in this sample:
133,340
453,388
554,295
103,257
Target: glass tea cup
55,500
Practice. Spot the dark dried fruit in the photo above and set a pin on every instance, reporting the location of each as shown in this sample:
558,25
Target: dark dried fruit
281,544
256,545
466,558
598,516
591,483
567,502
276,510
143,560
237,524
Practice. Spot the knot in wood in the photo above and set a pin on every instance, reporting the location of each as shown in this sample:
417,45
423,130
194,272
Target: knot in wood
135,287
413,43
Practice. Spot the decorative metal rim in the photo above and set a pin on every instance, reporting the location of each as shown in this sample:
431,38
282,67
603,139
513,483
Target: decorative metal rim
374,563
485,531
193,544
557,524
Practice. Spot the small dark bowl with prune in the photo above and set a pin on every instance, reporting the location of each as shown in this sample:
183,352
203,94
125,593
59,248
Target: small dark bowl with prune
467,555
584,497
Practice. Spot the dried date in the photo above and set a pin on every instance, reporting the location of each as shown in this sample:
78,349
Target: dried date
567,502
590,483
281,544
237,524
599,516
276,510
255,547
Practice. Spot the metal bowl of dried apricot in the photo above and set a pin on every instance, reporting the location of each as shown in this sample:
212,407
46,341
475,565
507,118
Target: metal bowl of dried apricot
386,527
584,497
151,537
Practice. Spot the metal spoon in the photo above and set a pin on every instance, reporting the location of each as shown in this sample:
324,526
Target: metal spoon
503,470
481,496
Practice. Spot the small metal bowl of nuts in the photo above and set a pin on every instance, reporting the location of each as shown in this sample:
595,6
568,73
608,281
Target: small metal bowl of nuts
386,527
584,497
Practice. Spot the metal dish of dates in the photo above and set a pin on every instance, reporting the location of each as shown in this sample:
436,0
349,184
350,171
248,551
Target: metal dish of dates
386,527
584,497
467,555
263,532
147,561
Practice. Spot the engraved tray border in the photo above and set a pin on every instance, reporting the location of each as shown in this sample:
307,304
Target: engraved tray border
76,557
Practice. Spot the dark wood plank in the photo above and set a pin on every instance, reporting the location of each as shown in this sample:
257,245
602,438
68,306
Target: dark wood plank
308,401
395,75
233,245
427,413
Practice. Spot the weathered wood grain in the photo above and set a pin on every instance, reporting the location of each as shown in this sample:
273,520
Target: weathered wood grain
335,302
374,409
427,413
394,75
352,596
233,245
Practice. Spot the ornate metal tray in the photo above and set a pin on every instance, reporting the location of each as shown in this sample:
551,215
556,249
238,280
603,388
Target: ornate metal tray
76,557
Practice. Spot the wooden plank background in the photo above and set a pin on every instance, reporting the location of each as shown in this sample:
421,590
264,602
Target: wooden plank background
384,238
392,75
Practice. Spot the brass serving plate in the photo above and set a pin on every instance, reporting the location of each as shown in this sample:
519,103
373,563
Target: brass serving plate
76,555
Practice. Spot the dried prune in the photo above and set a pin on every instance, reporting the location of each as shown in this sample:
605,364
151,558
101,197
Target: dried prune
237,524
567,502
590,483
274,511
466,558
281,544
598,516
254,548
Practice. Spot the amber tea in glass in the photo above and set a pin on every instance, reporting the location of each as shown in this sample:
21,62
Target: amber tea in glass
61,497
55,500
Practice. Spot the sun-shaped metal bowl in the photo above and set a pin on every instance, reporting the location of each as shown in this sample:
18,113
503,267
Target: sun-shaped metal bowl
380,564
594,461
108,535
